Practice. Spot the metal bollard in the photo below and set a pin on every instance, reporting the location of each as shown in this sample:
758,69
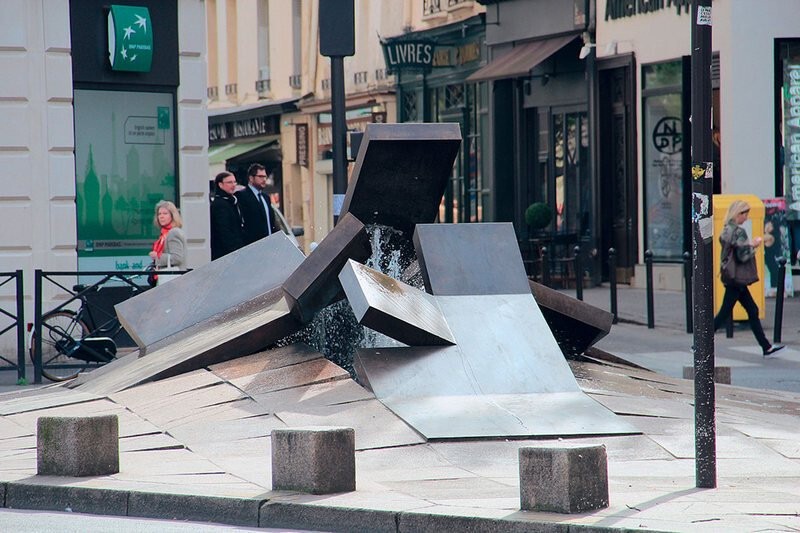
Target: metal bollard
545,267
648,263
776,335
578,272
687,281
612,280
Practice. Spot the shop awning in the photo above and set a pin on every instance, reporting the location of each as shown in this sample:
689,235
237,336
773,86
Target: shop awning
223,152
521,59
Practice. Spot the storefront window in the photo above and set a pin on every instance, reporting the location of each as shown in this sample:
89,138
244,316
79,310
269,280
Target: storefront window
463,199
125,164
663,160
572,187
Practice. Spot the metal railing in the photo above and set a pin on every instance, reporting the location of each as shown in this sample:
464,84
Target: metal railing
17,324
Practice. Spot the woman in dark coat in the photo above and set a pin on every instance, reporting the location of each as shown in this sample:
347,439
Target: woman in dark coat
226,220
734,240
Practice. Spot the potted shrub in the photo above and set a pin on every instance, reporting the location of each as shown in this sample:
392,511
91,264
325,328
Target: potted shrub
538,216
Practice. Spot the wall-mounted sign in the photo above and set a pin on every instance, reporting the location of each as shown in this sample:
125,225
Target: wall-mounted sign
246,127
408,55
791,136
627,8
130,38
301,140
423,55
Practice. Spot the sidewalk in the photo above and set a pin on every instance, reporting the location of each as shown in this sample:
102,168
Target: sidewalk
667,347
197,446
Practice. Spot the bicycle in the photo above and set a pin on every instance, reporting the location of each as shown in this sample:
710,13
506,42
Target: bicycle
71,341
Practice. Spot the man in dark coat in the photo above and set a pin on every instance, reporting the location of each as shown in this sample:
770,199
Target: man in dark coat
226,220
254,203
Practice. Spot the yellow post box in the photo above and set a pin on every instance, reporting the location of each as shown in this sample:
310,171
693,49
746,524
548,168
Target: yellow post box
755,228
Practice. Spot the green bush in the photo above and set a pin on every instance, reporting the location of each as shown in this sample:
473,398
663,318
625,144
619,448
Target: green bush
538,215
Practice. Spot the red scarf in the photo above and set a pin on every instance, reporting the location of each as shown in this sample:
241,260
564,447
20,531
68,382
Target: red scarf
158,246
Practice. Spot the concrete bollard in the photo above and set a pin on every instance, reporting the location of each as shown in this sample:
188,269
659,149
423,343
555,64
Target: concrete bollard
722,374
563,480
318,460
77,446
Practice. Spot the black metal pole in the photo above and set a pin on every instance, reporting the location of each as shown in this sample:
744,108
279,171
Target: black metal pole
648,263
37,326
578,272
545,266
687,282
20,328
776,334
339,135
612,279
702,233
336,41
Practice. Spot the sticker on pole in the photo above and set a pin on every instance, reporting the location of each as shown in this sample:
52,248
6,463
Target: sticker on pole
704,15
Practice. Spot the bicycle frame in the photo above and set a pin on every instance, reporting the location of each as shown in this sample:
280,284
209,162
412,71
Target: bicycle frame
96,346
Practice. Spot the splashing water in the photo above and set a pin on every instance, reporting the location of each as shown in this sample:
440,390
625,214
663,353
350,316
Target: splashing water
335,331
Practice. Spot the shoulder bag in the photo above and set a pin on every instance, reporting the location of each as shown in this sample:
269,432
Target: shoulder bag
733,272
169,268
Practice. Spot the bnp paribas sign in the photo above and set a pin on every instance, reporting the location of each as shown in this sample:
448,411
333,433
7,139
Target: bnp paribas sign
130,38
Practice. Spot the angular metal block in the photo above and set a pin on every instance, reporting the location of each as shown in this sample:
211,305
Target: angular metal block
505,377
395,309
576,325
239,331
314,284
401,172
462,259
166,310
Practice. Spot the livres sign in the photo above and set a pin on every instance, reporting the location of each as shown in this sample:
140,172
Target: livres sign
408,55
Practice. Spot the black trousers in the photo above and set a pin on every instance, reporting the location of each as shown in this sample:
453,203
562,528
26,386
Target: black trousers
734,293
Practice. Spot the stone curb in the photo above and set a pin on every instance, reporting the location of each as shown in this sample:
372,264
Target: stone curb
261,512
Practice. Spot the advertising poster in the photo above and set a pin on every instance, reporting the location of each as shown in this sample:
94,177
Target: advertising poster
776,244
125,164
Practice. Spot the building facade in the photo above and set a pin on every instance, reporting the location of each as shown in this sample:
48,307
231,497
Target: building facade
93,145
643,73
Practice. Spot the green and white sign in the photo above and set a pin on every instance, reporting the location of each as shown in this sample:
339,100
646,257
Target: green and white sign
130,38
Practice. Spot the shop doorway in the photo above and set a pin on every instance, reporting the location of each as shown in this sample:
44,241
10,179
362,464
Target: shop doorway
617,171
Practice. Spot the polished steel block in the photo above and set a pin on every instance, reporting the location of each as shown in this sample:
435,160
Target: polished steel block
397,310
213,288
401,172
505,377
576,325
314,284
461,259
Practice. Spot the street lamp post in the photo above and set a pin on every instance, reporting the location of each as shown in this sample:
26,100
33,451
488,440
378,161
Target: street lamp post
702,173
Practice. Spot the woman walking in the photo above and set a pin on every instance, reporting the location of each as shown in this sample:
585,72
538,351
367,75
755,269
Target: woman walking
735,241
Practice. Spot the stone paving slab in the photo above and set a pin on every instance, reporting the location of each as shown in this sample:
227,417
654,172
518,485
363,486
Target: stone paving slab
375,426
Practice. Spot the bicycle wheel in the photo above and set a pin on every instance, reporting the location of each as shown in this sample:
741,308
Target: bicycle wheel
59,331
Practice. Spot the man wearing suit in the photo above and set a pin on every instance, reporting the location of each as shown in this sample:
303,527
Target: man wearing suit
254,203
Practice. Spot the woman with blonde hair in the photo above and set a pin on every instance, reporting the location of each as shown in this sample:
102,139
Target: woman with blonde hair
169,250
735,241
